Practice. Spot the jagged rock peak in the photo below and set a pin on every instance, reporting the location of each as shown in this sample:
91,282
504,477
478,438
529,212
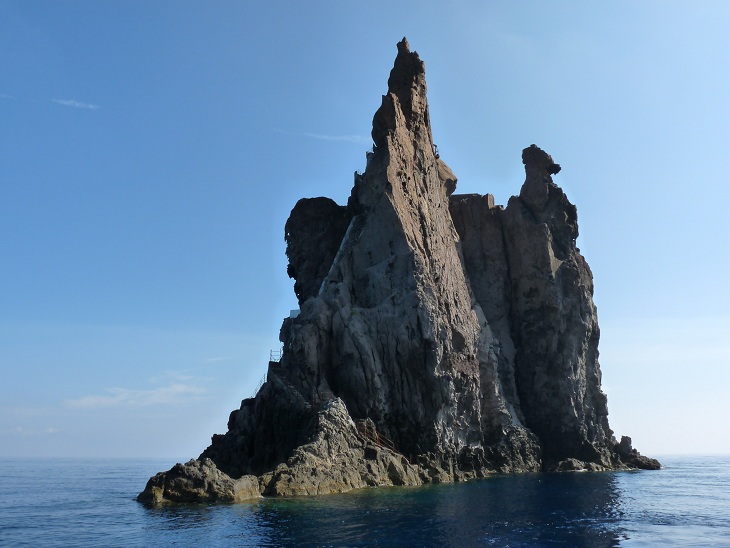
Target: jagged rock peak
407,77
541,195
537,159
407,89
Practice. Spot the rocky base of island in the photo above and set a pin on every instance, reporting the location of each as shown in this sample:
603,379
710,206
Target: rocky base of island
341,457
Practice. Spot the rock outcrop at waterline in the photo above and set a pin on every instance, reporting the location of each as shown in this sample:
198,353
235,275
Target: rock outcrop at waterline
462,332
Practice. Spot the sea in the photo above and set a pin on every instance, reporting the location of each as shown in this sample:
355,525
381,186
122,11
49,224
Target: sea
91,502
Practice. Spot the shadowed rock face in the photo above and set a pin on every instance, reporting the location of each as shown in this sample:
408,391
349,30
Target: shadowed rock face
313,235
462,331
536,292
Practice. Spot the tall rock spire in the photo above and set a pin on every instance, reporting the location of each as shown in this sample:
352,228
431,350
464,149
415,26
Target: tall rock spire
406,93
462,332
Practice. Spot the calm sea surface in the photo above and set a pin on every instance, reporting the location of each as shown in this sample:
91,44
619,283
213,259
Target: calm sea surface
91,503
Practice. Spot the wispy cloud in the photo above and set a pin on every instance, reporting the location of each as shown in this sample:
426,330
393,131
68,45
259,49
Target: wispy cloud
173,377
208,361
25,432
346,138
75,104
124,397
25,411
361,139
180,376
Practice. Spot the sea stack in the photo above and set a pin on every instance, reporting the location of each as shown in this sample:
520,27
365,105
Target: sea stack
440,337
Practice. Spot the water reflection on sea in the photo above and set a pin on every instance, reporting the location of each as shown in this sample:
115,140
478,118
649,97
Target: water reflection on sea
578,509
85,502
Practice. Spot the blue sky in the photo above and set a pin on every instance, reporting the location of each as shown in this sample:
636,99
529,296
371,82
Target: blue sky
150,154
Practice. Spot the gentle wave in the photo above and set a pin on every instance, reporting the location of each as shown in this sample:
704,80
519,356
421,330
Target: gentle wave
84,502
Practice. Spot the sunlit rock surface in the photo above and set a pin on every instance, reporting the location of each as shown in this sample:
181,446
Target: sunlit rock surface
440,337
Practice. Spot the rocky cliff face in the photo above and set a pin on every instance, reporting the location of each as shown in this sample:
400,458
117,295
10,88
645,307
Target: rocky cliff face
462,332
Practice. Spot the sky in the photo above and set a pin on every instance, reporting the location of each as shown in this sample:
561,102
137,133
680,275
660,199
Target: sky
150,153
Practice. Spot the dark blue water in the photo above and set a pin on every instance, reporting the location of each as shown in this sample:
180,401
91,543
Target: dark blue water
91,503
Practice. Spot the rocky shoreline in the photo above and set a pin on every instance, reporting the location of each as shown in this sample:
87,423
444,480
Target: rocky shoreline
440,337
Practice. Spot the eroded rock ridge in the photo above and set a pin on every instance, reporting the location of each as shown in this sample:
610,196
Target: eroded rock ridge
440,337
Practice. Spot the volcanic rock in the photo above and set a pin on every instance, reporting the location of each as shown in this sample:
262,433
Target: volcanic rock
440,337
199,481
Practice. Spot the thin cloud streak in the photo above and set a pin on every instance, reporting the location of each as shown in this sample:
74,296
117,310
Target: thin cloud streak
123,397
26,432
342,138
75,104
208,361
23,411
360,139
